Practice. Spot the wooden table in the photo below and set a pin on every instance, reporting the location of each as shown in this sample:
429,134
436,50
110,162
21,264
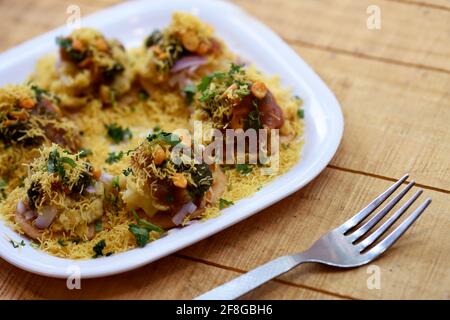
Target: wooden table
394,88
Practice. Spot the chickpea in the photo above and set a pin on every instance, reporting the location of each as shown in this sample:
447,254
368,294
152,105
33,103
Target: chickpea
179,180
190,41
78,45
105,94
259,90
203,48
159,155
19,115
27,103
96,173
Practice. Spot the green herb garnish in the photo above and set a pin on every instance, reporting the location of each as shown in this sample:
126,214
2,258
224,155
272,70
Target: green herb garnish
141,230
16,244
141,234
244,168
98,225
165,137
83,153
116,183
300,113
223,203
189,91
55,163
114,157
3,185
118,134
98,248
127,172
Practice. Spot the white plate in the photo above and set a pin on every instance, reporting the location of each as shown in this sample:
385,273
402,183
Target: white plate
131,22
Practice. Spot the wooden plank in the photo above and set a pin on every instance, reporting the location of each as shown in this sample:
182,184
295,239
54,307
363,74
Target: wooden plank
410,34
169,278
417,267
23,20
435,4
396,118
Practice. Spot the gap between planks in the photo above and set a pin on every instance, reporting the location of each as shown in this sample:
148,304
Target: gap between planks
422,4
216,265
365,56
377,176
371,175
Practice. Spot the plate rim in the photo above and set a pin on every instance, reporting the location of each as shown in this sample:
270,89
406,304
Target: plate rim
228,219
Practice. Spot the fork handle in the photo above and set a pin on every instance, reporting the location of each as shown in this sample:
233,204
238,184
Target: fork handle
253,279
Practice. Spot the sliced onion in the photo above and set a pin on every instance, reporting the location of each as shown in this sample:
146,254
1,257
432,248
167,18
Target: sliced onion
30,214
178,80
106,178
188,62
21,207
186,209
91,189
44,220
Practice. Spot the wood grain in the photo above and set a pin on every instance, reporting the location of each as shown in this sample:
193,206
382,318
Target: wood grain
169,278
407,31
394,87
435,4
417,267
396,117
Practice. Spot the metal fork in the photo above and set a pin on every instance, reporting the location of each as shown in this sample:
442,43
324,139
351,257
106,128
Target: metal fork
339,247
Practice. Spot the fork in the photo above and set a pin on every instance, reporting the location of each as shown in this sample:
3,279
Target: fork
344,246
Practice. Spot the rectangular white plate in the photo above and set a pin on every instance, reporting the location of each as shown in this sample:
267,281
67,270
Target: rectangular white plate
131,22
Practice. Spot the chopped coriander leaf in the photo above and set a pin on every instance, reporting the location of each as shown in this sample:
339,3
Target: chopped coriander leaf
141,234
154,38
143,95
39,92
114,157
254,118
34,245
62,243
3,185
55,163
127,172
98,225
243,168
300,113
189,91
169,138
206,80
235,68
16,244
98,248
69,161
74,54
118,134
145,224
83,153
116,183
223,203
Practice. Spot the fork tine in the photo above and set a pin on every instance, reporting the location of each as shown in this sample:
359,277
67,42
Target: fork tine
376,218
360,216
386,225
399,231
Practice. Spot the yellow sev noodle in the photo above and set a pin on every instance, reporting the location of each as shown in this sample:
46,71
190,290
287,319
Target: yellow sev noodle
168,111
